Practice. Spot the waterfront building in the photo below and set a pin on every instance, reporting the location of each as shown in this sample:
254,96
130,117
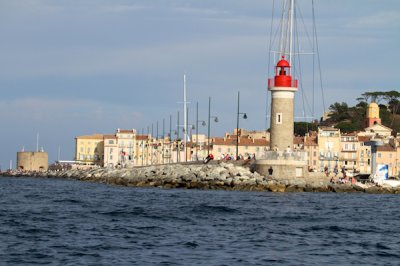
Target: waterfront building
89,149
110,150
199,147
329,147
141,150
364,159
126,144
32,161
349,151
311,147
247,147
387,155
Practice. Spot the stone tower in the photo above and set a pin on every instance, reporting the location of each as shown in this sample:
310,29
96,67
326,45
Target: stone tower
372,115
282,89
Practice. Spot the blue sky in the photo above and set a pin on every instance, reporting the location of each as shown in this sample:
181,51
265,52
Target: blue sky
70,68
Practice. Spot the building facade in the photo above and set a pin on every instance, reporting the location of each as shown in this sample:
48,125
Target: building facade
89,149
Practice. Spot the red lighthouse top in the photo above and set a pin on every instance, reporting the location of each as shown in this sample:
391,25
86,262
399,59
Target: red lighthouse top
282,75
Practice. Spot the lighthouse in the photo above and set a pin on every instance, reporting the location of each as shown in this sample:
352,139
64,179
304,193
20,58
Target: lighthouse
282,88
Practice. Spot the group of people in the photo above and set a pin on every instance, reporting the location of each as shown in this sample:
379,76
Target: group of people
231,157
343,179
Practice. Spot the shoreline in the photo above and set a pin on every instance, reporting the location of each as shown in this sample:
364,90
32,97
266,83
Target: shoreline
217,175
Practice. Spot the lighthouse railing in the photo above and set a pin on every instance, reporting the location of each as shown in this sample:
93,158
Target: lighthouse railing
271,83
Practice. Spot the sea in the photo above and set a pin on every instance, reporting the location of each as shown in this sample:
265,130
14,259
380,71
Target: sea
68,222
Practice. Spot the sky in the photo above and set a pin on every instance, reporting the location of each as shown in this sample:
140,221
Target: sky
78,67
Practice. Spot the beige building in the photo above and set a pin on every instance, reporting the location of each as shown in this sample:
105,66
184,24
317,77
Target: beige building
312,149
349,151
89,149
247,147
364,156
126,146
32,161
329,147
387,155
110,151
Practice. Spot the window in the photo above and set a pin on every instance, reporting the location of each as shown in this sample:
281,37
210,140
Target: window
379,155
315,153
329,145
219,149
314,162
279,118
81,149
111,141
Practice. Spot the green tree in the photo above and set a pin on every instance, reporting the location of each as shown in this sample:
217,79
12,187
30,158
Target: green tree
339,111
346,127
301,128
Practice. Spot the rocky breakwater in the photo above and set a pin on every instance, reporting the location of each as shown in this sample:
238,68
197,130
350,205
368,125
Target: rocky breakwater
222,175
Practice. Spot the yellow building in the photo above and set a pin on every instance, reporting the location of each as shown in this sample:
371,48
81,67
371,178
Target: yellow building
364,155
89,149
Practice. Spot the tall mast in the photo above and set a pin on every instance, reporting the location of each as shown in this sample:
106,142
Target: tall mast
184,113
287,22
291,14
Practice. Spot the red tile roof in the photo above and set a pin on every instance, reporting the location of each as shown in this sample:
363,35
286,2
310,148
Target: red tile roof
386,148
142,137
363,138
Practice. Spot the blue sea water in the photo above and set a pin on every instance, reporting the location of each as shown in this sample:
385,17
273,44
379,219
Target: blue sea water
67,222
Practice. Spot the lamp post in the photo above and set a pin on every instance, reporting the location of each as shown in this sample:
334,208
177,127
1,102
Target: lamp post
209,124
237,127
203,123
177,140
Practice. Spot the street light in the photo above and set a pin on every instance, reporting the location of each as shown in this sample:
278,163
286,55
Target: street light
203,123
237,127
209,124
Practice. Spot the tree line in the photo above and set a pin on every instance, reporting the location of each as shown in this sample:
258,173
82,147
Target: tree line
351,118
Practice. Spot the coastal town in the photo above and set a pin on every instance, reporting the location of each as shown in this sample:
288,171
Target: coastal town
326,148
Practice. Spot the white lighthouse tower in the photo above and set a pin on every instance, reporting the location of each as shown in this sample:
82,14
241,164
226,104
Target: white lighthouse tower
282,88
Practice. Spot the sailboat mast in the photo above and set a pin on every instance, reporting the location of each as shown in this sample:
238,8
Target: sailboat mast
184,113
291,15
